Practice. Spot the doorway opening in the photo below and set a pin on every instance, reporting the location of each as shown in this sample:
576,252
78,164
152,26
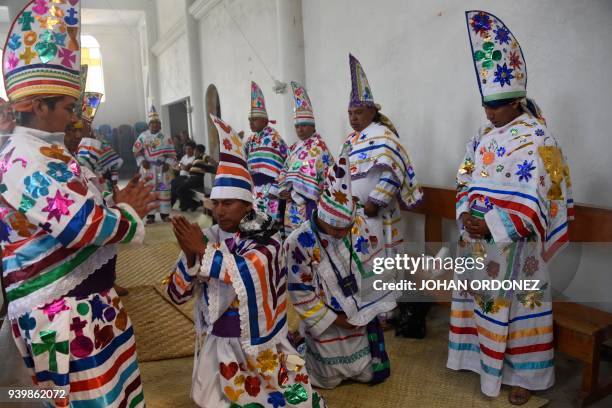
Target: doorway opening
213,105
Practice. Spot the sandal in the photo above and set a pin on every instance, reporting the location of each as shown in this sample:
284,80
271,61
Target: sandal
519,396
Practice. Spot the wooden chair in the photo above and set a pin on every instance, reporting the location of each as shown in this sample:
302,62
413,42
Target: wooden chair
579,330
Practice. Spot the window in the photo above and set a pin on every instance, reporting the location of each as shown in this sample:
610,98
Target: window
91,56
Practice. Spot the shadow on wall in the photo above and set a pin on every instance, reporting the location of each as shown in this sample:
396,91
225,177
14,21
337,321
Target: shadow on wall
122,139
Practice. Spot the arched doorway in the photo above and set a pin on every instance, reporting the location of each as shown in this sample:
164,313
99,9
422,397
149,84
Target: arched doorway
213,105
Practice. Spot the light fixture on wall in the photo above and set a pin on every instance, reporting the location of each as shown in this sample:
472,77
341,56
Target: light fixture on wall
279,87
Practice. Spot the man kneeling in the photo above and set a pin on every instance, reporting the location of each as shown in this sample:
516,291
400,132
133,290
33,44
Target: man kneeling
329,260
237,273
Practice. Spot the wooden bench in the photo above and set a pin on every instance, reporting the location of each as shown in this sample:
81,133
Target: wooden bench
579,330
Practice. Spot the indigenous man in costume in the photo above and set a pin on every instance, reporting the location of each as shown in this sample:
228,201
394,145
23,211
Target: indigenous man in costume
266,153
236,271
513,204
98,158
302,177
383,179
155,156
58,235
329,260
97,155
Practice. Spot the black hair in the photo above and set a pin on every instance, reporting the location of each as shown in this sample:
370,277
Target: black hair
26,118
201,148
499,103
190,143
377,118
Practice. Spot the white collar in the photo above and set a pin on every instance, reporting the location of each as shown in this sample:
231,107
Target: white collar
55,137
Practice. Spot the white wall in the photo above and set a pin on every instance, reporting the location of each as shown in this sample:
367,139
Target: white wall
174,72
230,64
122,75
169,12
417,58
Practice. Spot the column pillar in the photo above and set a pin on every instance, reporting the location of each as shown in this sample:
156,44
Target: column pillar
290,58
196,108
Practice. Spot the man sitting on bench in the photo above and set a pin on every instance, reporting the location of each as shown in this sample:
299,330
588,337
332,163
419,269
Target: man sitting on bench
195,180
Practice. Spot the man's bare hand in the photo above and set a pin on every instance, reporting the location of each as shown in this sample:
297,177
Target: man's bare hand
370,209
341,321
476,227
139,195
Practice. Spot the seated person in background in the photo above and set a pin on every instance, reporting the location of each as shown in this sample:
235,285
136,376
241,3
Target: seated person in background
183,168
178,145
195,180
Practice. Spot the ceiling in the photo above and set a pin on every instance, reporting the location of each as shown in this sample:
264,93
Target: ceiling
105,17
100,17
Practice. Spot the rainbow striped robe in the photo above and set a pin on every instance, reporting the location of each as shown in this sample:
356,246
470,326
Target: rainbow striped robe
101,158
303,176
157,150
241,282
266,152
517,179
56,231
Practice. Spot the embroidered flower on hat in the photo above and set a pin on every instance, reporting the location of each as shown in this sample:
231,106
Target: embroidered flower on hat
502,35
481,23
503,75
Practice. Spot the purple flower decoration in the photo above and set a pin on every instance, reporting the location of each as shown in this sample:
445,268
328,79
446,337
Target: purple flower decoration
481,23
503,75
502,35
525,170
539,132
501,151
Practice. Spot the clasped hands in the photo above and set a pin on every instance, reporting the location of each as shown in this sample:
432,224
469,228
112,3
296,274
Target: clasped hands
477,228
190,238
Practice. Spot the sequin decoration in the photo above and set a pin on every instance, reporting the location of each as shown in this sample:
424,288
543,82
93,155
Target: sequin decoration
37,185
26,203
49,345
296,394
488,55
59,171
58,206
556,169
55,152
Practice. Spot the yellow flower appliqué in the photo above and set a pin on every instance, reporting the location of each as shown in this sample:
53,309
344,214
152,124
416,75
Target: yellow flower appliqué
267,360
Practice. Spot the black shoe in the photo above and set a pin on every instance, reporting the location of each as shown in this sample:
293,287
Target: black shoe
414,329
